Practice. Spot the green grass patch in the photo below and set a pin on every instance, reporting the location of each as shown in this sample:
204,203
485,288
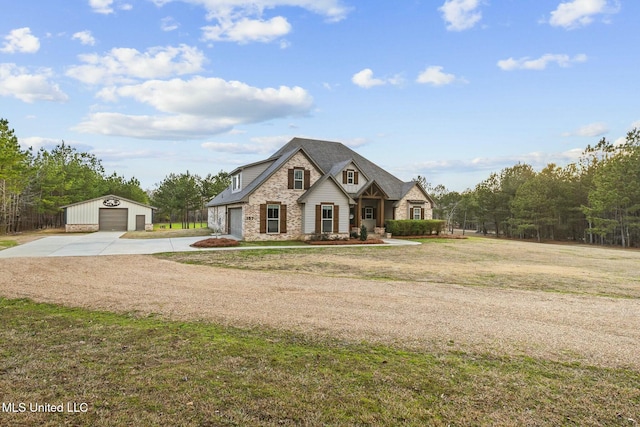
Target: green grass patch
161,226
167,234
4,244
150,371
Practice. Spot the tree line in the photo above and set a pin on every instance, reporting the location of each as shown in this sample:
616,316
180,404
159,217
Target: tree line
34,186
595,200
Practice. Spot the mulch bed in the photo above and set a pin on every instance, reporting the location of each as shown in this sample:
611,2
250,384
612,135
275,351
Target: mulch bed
433,236
346,242
215,243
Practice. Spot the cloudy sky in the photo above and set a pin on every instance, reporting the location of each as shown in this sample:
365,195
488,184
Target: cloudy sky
448,89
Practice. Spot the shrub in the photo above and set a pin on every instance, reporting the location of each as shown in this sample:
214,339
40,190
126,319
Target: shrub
414,227
363,232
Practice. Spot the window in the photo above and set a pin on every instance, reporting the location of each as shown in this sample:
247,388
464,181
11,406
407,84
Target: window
327,218
235,183
273,218
298,179
417,212
351,177
368,213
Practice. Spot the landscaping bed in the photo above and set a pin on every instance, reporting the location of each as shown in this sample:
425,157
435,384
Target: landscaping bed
215,243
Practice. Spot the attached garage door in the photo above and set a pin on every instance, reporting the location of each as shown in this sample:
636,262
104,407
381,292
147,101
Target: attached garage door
235,222
113,219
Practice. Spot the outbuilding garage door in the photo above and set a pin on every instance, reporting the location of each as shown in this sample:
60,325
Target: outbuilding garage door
113,219
235,222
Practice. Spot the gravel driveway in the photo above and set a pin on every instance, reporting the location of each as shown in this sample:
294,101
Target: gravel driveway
430,316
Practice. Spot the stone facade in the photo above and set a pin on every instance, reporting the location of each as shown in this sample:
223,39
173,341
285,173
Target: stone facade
415,194
83,228
275,189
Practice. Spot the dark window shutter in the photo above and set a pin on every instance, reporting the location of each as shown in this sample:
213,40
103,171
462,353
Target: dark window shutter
363,213
336,218
374,213
344,177
290,176
355,178
283,218
318,219
263,218
307,179
421,213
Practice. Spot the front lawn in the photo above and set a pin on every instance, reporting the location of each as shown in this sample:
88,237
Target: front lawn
129,370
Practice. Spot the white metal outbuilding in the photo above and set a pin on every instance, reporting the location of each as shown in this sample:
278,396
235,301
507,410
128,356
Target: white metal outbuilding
108,213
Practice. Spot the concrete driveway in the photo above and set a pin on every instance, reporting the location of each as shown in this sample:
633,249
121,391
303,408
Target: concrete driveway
99,243
110,243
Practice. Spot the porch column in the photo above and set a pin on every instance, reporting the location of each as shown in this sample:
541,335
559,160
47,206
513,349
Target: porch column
381,210
357,213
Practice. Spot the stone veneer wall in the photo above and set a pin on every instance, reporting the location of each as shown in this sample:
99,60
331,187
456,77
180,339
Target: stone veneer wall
402,211
275,190
83,228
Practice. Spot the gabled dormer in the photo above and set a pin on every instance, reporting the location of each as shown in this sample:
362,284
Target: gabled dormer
350,175
243,176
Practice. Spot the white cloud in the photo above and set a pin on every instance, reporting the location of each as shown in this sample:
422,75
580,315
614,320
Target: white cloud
102,6
29,87
590,130
541,63
248,30
434,75
579,13
20,40
169,24
106,7
460,14
242,21
332,10
85,38
538,160
365,79
260,145
123,65
197,108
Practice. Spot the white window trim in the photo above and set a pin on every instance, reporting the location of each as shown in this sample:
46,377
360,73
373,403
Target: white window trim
327,208
351,177
368,212
418,210
236,183
298,180
277,220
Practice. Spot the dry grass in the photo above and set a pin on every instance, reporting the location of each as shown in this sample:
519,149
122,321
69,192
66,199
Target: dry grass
474,262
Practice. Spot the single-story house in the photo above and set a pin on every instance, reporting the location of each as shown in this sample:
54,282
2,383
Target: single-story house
108,213
312,187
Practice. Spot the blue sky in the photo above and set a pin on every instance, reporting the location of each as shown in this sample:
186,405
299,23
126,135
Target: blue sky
451,90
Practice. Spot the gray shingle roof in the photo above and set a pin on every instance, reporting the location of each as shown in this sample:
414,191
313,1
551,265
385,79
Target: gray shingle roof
327,155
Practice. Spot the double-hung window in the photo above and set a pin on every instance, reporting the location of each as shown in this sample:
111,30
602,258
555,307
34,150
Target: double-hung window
298,179
327,218
236,183
273,219
351,177
417,212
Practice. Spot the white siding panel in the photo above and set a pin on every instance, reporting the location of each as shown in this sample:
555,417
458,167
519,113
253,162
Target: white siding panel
88,213
352,188
326,192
